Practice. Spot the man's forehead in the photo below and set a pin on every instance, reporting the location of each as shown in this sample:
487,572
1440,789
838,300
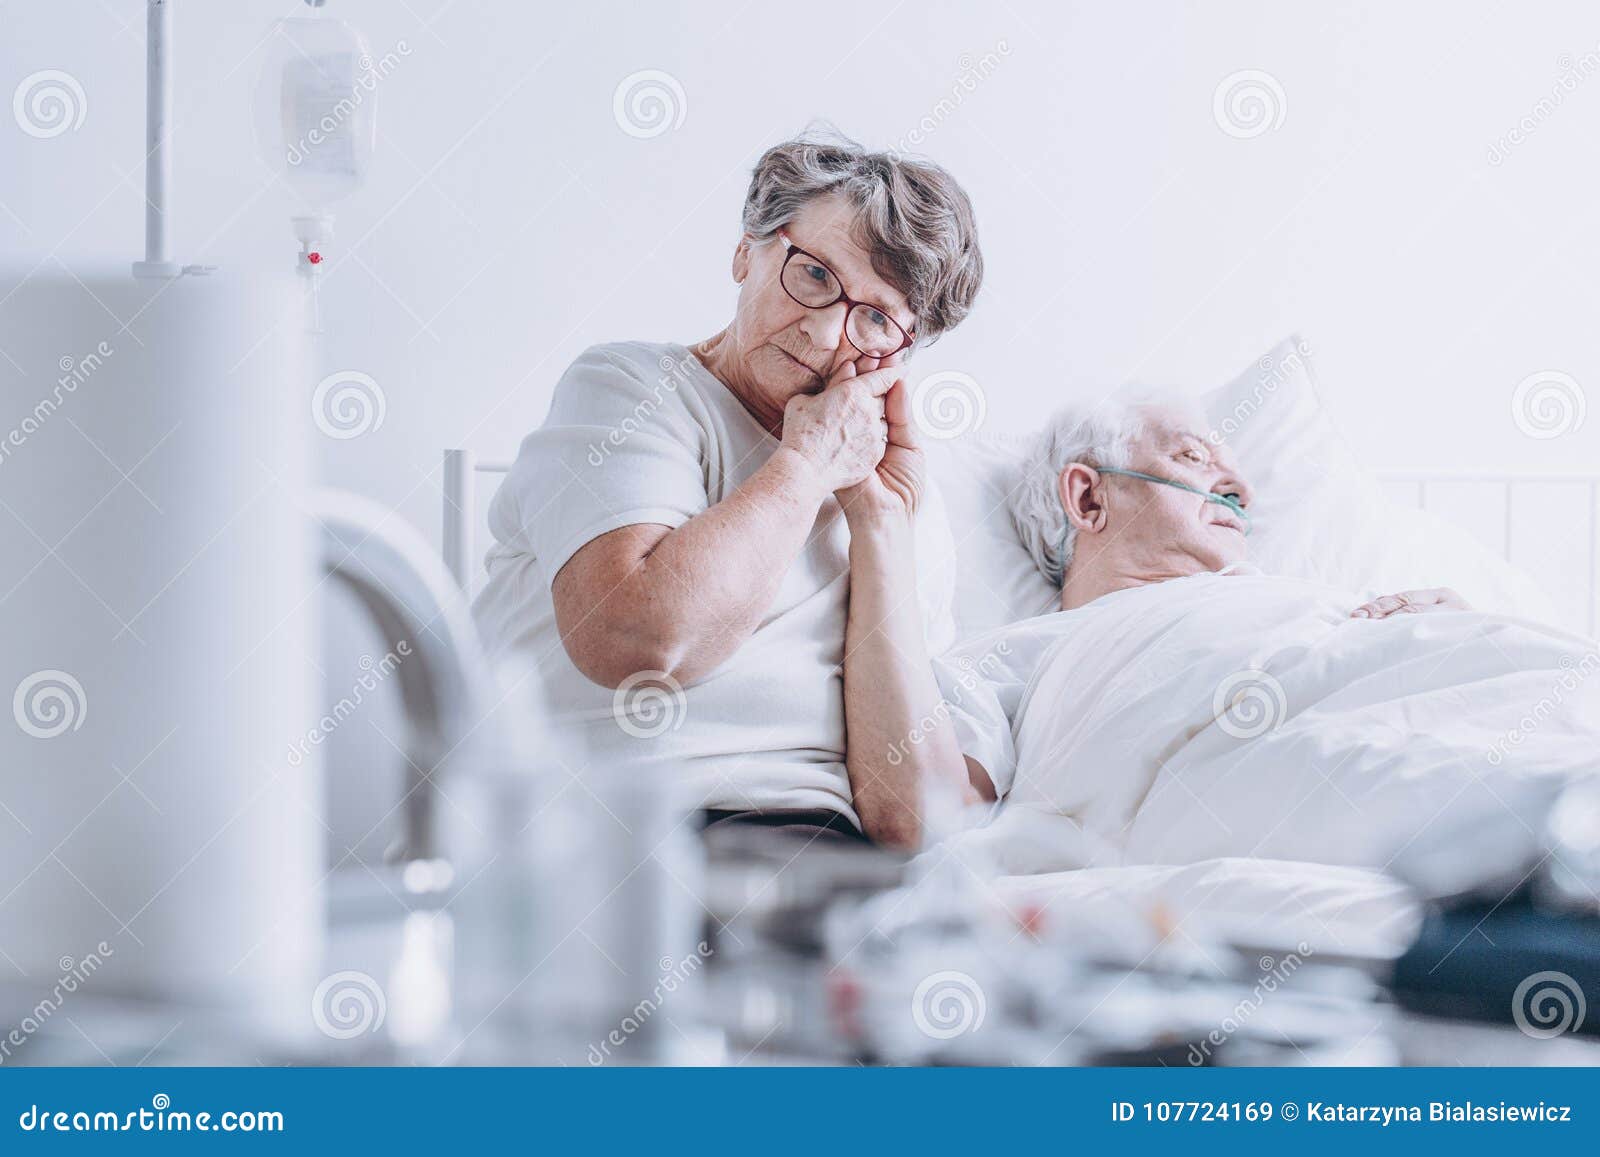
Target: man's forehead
1166,424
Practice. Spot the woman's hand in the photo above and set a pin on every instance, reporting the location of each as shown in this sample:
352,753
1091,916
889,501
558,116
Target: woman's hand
1412,603
841,431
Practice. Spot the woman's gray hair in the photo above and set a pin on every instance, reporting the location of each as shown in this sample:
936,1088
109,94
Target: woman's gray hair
1099,435
913,218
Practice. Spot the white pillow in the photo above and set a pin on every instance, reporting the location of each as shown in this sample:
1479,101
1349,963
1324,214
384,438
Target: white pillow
995,580
1318,513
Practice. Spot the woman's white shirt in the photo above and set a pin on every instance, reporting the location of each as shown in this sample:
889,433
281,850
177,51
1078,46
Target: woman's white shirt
643,433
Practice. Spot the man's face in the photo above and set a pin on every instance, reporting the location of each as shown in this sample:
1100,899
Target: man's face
1168,527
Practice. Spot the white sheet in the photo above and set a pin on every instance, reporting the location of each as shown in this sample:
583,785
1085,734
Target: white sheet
1248,716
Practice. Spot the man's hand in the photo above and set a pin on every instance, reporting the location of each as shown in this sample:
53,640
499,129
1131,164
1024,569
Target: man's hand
1412,603
895,487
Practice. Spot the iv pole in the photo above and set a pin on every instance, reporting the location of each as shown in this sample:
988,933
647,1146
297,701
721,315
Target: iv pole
157,261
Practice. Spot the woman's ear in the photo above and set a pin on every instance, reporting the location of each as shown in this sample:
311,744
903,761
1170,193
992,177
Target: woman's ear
1080,497
741,260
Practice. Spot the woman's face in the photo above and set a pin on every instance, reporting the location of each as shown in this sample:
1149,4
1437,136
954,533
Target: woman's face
781,348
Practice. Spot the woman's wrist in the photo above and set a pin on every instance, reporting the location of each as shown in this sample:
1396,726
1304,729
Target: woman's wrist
798,475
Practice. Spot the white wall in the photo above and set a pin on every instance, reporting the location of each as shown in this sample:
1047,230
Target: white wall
510,220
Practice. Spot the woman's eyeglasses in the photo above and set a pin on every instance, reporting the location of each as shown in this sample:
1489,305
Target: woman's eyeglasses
811,283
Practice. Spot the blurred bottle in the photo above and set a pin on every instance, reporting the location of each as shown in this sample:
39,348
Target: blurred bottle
579,914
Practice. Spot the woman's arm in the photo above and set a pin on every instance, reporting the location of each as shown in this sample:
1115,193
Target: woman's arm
651,598
681,601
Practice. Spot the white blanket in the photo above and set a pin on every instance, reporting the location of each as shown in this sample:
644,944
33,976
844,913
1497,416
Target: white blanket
1246,715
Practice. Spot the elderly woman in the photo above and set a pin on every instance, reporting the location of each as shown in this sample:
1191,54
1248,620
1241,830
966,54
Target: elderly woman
708,550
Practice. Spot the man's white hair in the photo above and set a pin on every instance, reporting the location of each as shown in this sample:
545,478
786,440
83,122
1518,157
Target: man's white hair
1099,434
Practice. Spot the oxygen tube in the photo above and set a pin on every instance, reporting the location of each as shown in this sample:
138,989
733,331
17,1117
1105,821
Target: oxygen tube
1231,501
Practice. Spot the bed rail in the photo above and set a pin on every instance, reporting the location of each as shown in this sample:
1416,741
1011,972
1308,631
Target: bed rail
1548,524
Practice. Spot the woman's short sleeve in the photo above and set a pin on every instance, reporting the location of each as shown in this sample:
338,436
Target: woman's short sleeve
618,448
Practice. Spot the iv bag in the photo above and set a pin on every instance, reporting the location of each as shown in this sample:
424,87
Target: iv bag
315,108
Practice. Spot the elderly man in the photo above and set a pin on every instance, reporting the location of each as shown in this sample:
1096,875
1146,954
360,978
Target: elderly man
709,552
1126,494
1183,705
